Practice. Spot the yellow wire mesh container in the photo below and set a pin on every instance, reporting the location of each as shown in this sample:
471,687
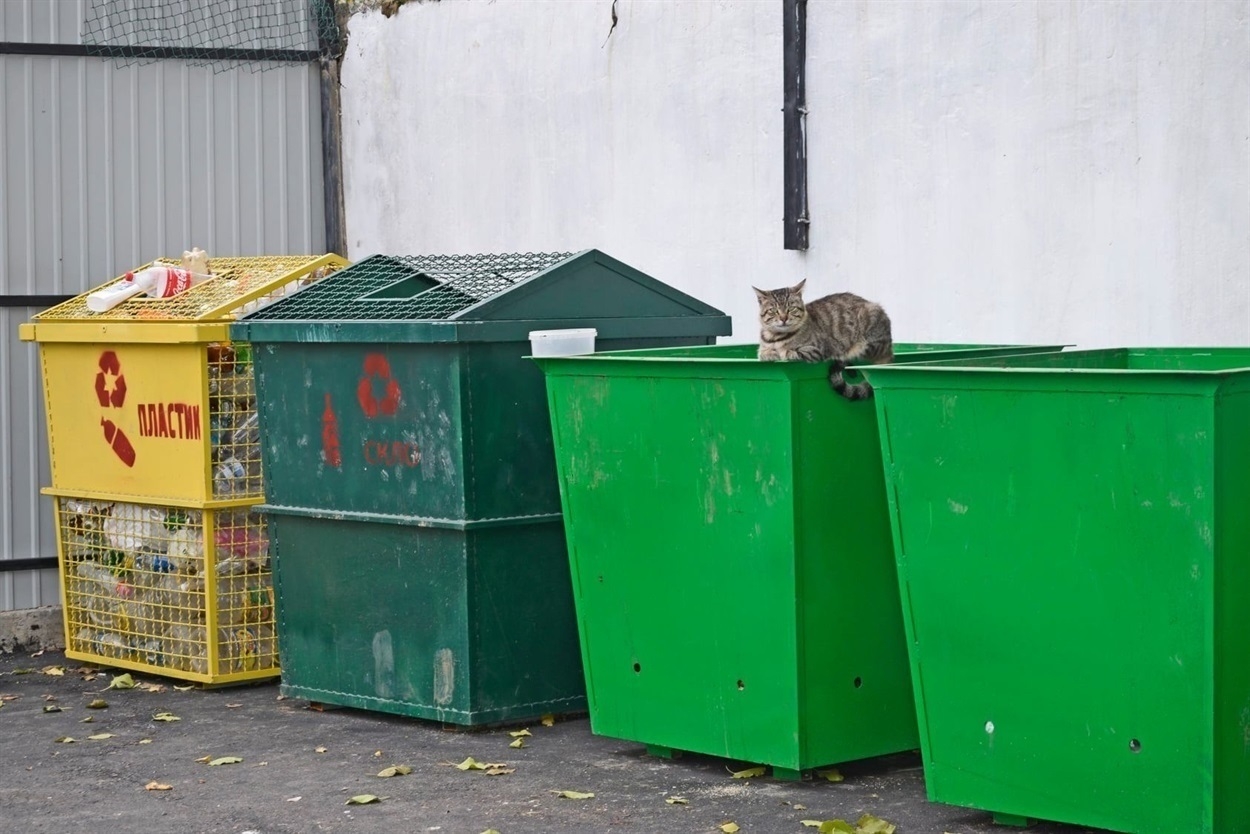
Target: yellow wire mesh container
156,470
180,592
150,400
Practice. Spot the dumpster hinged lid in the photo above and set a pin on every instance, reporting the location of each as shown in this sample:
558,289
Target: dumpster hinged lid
493,297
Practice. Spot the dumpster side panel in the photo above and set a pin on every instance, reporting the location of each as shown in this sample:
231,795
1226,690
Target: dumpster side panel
128,420
509,456
363,428
1232,612
1060,624
856,682
679,504
388,632
524,653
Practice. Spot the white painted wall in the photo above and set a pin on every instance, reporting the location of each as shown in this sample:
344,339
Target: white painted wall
990,171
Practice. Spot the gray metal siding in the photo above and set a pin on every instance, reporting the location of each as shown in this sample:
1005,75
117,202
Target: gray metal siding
105,166
41,21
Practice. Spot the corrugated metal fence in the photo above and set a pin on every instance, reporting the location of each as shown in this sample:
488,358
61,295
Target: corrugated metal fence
104,166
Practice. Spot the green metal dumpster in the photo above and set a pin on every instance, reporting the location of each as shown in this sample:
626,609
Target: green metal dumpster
730,549
419,555
1072,535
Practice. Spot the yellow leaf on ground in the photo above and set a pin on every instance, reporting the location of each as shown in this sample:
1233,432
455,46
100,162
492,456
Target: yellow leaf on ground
677,800
749,773
63,740
500,771
165,716
145,741
204,759
54,671
98,703
520,733
518,743
123,681
394,770
832,774
224,760
868,824
573,795
100,736
185,688
730,828
363,799
157,786
549,720
320,750
470,764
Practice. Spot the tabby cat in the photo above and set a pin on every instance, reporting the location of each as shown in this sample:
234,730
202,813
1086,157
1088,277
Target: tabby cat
841,328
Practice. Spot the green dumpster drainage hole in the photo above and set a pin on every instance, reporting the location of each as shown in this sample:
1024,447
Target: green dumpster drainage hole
1134,745
741,685
859,682
637,667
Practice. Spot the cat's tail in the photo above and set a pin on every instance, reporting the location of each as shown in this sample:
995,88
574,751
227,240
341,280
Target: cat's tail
858,391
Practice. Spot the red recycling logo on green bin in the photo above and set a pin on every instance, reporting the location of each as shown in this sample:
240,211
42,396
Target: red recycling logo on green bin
110,390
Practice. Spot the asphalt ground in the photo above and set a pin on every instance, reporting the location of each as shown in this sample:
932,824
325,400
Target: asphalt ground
299,766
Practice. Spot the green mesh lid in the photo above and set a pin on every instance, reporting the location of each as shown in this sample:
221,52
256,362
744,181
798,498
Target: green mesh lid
482,297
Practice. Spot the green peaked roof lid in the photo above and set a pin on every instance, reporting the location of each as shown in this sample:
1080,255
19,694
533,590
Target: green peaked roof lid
482,298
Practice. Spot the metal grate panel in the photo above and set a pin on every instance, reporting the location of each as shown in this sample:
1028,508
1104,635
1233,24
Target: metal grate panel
411,288
237,285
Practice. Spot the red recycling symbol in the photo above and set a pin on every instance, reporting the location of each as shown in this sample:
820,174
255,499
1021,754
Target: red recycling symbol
113,396
376,367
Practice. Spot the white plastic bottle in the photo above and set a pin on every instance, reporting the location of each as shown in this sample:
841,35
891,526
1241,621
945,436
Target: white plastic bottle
155,281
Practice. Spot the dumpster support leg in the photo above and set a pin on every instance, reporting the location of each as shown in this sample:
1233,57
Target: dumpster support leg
1012,819
785,774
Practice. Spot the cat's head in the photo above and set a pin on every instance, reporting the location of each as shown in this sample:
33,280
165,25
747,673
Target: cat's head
782,310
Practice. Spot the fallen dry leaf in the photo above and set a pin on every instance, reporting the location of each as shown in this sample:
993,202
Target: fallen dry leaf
520,733
749,773
5,698
573,795
377,754
51,708
90,719
677,800
49,697
517,743
204,759
224,760
499,771
38,653
470,764
549,720
233,706
869,824
294,798
832,774
63,740
145,741
98,703
100,736
157,786
184,688
394,770
165,716
122,681
363,799
54,671
730,828
319,750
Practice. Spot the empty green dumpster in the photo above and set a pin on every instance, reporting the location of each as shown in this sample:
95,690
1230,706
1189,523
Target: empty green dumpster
419,553
1073,545
730,549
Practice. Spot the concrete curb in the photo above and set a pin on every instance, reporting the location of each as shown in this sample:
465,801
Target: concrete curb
32,629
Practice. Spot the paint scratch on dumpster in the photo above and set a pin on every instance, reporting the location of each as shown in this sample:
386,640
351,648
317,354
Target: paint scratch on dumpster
444,676
383,664
956,507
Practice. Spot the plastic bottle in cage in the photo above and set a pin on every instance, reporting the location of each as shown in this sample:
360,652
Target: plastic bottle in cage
105,578
155,281
230,477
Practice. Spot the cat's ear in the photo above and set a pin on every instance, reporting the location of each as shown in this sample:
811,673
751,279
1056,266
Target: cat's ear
799,286
760,294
